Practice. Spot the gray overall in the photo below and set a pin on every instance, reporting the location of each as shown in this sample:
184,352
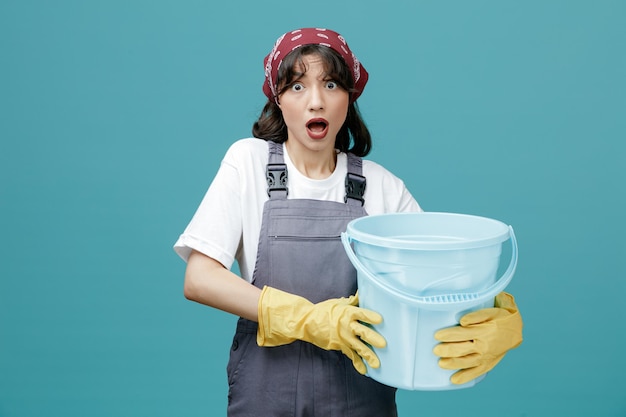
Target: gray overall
300,252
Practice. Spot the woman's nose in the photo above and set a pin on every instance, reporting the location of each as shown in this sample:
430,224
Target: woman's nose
316,98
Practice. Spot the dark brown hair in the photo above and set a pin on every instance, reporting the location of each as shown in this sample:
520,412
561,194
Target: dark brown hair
353,136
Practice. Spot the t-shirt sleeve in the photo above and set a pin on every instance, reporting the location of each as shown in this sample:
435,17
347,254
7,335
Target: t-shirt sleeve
386,193
407,202
216,228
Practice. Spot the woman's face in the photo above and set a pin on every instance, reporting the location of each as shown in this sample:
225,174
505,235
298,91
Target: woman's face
314,108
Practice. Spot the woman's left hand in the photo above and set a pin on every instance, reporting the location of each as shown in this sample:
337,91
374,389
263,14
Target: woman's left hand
481,340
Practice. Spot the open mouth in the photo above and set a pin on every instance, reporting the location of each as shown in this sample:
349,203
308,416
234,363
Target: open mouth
317,128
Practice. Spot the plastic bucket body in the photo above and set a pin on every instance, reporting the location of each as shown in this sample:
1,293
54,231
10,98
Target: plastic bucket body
422,272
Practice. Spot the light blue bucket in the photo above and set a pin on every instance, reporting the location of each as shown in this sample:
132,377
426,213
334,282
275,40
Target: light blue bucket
422,272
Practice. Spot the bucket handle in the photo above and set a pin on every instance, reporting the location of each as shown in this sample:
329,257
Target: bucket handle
458,298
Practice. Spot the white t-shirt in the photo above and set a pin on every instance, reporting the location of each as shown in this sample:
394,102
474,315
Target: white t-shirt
227,224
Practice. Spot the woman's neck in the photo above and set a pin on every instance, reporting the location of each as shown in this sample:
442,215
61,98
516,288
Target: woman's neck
315,165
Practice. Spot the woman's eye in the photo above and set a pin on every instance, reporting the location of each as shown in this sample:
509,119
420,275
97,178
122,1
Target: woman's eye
331,85
297,87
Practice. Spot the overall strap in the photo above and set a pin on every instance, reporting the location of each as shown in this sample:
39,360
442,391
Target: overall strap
276,172
355,181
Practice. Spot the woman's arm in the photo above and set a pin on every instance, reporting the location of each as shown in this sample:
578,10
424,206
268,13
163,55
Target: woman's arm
208,282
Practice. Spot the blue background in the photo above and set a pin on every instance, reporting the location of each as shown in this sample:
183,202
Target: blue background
114,116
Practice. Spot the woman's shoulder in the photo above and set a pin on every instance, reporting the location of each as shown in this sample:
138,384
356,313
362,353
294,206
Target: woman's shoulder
375,170
246,151
249,146
387,192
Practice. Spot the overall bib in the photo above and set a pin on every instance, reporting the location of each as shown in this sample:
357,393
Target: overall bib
300,252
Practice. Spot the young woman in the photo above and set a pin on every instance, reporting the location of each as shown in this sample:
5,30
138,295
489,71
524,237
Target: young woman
278,205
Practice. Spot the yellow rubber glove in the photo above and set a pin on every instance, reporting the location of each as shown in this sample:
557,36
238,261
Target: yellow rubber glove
332,325
481,341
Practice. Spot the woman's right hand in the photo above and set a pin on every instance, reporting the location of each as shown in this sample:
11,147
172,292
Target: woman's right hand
335,324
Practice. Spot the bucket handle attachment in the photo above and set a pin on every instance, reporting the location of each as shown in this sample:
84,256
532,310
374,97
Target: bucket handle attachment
459,298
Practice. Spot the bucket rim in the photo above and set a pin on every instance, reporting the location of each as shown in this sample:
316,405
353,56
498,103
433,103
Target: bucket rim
357,235
442,301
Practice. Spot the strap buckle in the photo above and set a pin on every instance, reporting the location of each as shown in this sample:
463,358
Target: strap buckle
276,175
355,188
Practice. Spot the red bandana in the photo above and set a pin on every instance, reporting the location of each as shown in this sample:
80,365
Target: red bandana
297,38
